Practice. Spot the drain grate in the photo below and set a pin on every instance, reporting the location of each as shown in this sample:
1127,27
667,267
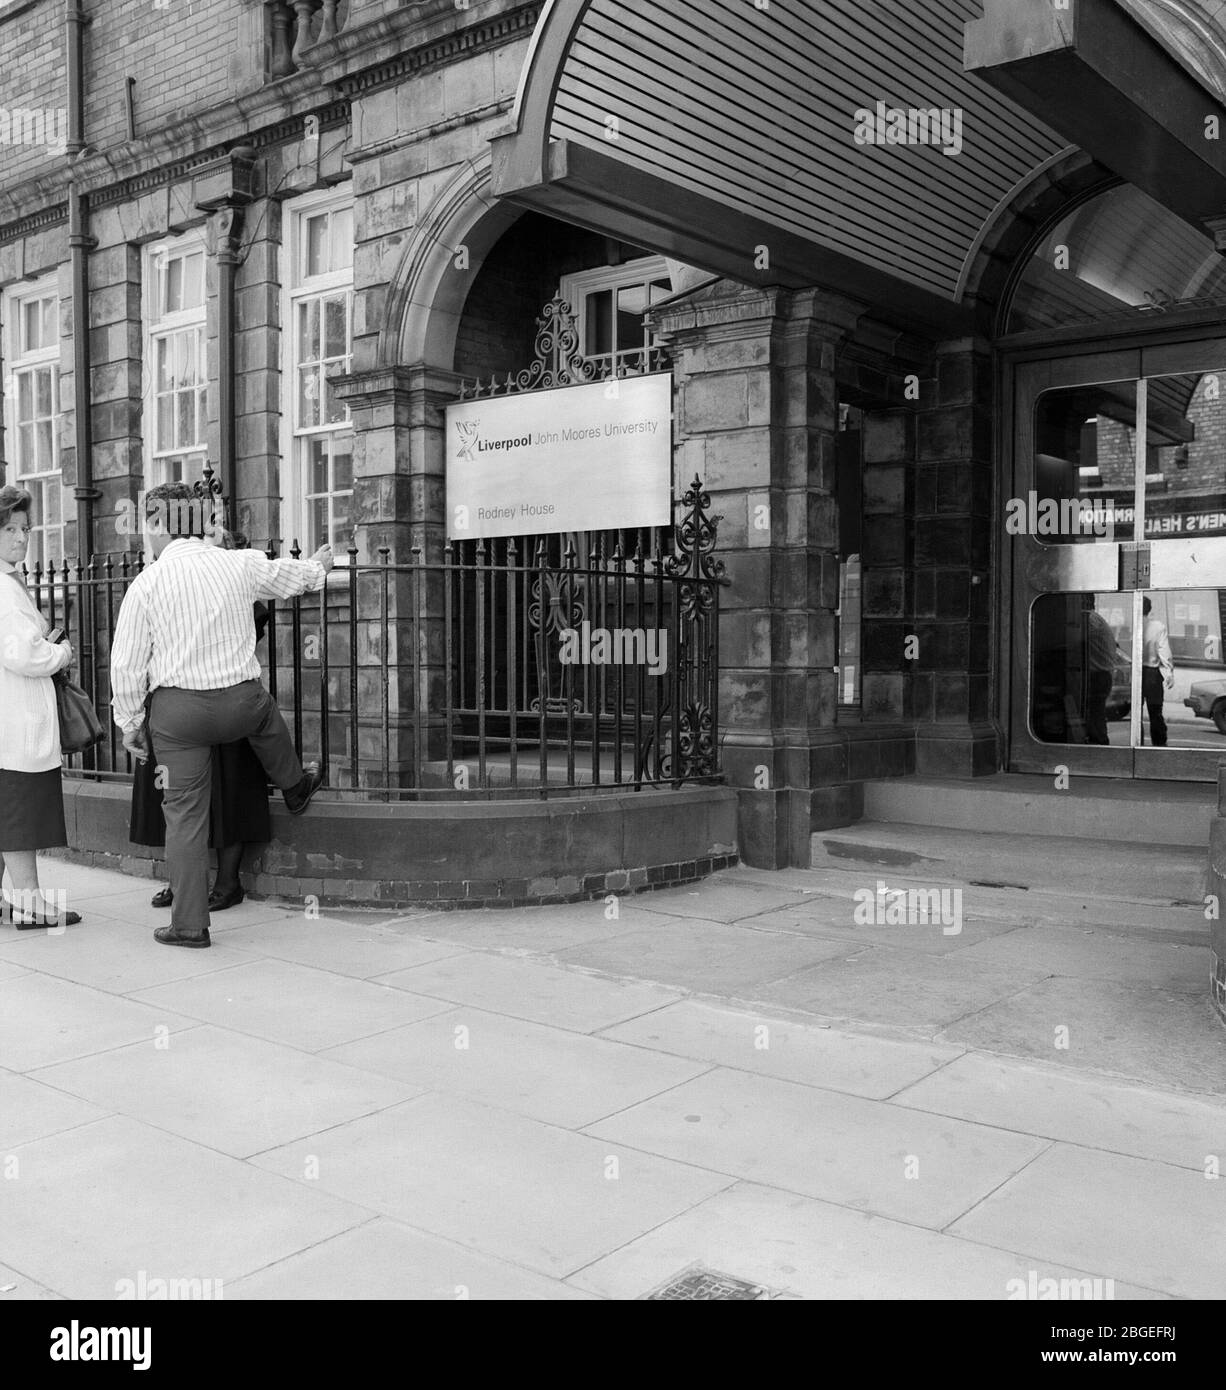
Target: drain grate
701,1284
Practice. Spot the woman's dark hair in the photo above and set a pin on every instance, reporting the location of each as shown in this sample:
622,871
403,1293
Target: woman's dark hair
13,499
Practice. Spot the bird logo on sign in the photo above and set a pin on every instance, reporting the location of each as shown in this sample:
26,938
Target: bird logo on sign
468,430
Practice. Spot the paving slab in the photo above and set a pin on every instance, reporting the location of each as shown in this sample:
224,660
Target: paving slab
1095,954
292,1004
706,957
1155,1036
549,1074
715,899
102,1202
817,1250
1085,866
45,1020
864,1154
135,910
9,970
510,1187
1040,1099
831,918
535,929
30,1109
902,988
563,998
388,1260
347,949
16,1287
115,956
1129,1218
758,1042
234,1093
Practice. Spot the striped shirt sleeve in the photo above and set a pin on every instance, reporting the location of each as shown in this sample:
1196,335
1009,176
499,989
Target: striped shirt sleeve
283,578
130,655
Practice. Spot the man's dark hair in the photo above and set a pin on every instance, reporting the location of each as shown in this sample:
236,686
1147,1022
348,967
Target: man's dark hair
178,507
1146,605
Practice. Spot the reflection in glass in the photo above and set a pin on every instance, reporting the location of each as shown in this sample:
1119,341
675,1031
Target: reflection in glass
1185,468
1183,645
1119,253
1085,450
1081,674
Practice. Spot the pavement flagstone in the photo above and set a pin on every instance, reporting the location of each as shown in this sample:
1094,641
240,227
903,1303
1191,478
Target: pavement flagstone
586,1101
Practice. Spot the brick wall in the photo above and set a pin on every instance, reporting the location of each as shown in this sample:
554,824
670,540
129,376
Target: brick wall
189,55
32,78
520,275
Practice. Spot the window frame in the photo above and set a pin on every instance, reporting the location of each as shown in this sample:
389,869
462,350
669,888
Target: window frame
17,360
298,287
576,287
158,326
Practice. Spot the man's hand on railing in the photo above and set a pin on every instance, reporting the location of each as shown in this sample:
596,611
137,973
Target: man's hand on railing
324,557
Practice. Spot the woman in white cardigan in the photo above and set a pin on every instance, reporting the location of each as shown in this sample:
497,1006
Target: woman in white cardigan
31,793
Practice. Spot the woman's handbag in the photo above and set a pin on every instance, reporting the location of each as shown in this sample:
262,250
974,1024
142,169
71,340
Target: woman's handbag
80,726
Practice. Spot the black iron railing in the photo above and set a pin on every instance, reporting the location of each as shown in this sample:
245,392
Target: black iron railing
506,668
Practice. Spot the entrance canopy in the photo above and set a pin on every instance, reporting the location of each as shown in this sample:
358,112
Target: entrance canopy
846,143
1139,84
832,142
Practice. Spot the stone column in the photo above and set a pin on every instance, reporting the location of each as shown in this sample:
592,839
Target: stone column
952,568
116,388
757,421
398,499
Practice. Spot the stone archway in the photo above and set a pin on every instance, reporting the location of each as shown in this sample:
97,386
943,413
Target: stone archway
431,283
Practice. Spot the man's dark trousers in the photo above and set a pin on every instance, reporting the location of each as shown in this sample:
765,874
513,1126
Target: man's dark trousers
1096,707
1151,691
184,726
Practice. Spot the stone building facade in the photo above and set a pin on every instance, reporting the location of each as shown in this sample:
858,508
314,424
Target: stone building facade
281,238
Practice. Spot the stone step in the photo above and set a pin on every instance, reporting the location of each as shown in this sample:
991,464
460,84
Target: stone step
905,855
1123,811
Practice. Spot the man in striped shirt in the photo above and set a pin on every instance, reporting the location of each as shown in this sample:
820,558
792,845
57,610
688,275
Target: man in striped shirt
185,632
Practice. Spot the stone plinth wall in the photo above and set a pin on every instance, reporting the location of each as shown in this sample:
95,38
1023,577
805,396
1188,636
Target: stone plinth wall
448,854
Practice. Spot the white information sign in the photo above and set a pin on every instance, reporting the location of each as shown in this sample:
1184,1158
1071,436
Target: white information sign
580,458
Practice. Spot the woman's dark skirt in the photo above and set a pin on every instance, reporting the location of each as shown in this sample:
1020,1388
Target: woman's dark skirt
32,810
238,813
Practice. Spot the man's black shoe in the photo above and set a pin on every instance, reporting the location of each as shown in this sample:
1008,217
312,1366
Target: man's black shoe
298,798
169,937
218,902
163,898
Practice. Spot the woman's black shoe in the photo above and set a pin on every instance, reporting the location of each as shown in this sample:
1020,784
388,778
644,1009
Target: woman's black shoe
70,919
218,902
163,899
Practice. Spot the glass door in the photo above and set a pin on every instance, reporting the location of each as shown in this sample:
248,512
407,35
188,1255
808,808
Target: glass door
1116,546
1180,725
